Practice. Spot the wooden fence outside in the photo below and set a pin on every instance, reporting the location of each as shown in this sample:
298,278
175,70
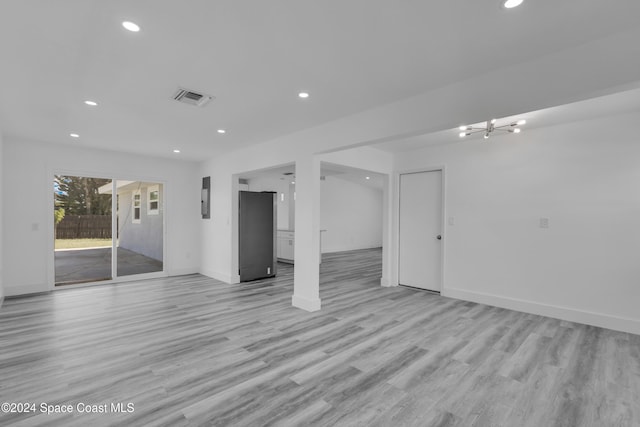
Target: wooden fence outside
84,227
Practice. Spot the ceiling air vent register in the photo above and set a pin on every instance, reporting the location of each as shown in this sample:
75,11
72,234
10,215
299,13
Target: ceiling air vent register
191,97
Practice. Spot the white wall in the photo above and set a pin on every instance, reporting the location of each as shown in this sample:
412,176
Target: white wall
585,178
27,170
352,215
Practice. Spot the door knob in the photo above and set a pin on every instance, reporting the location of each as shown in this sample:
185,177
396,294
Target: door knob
439,237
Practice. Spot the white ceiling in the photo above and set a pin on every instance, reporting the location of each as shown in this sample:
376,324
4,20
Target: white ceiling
618,103
254,56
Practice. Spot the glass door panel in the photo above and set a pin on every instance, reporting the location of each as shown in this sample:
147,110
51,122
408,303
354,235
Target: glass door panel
140,224
82,229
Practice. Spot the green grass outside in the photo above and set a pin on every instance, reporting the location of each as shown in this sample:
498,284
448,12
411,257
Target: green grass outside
82,243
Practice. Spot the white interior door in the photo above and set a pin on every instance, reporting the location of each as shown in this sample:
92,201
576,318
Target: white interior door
421,230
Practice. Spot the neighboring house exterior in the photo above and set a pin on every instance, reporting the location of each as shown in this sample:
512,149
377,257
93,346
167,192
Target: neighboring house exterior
140,217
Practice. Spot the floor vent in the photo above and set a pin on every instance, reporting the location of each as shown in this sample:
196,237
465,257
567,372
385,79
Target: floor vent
192,98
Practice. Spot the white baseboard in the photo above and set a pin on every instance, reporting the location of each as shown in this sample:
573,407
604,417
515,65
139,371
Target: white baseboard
15,291
305,303
349,248
132,278
183,271
385,282
226,278
564,313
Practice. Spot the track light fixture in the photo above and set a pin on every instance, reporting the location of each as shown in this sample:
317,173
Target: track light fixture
491,127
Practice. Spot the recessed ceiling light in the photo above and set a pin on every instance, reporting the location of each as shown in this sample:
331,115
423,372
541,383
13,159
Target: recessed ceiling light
176,151
517,130
92,103
222,131
367,177
74,135
131,26
293,182
521,122
303,95
509,4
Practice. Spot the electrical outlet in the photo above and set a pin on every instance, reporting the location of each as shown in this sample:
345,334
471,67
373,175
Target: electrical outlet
544,222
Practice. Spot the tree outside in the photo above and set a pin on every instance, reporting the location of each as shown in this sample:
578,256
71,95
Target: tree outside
80,212
79,195
58,215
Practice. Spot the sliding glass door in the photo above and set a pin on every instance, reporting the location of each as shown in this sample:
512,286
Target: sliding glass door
92,244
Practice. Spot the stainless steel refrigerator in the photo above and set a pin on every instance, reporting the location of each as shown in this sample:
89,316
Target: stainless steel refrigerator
257,235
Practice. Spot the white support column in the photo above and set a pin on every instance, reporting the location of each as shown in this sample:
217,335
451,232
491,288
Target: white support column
306,277
387,233
233,222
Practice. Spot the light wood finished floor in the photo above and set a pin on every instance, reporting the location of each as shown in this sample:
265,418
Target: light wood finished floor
194,351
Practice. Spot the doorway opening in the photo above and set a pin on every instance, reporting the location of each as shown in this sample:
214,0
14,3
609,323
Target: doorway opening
280,182
352,204
91,243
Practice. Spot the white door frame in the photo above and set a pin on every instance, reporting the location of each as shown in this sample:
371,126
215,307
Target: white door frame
443,204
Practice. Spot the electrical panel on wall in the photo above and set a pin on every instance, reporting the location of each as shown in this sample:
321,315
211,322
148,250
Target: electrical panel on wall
205,198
